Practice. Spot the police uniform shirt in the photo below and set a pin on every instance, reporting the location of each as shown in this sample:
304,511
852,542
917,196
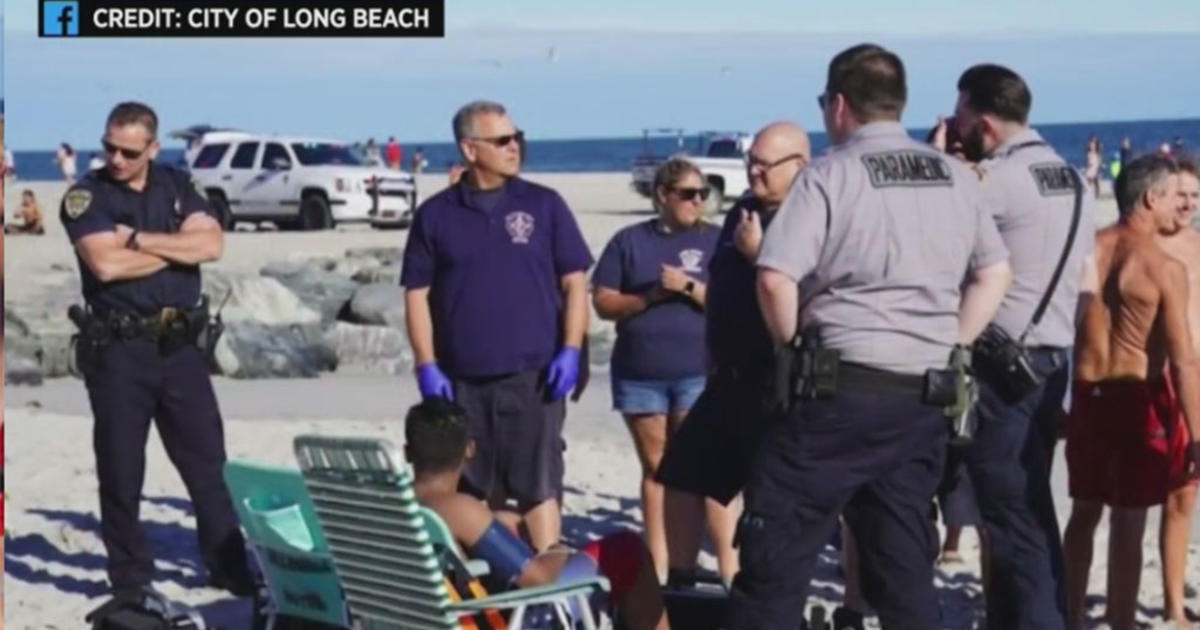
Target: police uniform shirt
97,203
494,275
880,233
1029,190
736,334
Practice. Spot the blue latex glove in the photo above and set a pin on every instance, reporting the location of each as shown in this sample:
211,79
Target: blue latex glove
563,373
433,382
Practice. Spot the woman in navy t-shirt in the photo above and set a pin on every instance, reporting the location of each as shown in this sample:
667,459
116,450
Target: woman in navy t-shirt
651,280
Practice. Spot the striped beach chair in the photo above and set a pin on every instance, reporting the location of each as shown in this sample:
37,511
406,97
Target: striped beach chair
385,554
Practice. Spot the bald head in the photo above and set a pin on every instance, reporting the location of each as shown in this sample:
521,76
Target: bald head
778,153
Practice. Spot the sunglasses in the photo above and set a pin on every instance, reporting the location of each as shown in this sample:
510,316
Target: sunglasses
753,163
822,100
690,194
503,141
128,154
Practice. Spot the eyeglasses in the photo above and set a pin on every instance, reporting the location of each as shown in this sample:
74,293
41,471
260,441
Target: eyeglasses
755,164
503,141
128,154
690,194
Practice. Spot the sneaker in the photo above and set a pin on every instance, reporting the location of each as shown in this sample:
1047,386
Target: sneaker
846,619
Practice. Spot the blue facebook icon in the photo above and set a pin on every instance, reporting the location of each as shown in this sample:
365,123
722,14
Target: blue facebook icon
60,19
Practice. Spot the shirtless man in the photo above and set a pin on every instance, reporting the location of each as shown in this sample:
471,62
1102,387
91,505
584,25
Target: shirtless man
437,444
1184,245
1123,414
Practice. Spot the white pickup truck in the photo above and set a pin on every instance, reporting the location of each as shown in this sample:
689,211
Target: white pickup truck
721,157
299,183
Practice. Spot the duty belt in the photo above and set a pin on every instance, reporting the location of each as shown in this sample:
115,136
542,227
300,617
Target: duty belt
853,377
125,325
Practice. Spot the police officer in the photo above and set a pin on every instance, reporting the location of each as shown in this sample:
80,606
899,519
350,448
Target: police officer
140,232
1032,196
874,240
711,452
496,289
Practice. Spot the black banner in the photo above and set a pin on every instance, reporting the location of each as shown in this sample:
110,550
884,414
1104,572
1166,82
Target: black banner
249,18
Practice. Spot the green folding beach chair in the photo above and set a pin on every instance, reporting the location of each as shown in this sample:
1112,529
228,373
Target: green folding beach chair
384,551
285,538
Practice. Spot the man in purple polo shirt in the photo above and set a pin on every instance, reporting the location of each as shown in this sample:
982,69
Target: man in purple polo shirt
495,271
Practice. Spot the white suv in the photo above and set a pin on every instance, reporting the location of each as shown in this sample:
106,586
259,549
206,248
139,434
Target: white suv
301,183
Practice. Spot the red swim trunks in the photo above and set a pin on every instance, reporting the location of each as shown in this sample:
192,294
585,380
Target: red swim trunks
1179,446
1121,437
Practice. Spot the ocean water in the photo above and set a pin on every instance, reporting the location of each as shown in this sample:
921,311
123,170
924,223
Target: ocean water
617,154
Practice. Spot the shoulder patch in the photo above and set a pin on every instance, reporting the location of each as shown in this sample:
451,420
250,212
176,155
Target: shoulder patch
76,202
907,168
1053,178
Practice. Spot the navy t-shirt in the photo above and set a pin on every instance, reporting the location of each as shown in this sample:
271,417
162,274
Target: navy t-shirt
736,333
494,276
666,341
98,204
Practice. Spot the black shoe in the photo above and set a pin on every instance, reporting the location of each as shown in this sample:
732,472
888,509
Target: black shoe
846,619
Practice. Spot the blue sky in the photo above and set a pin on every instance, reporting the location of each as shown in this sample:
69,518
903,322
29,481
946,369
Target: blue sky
616,66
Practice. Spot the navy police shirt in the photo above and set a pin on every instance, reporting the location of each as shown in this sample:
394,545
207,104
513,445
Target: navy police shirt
494,276
736,334
666,341
98,204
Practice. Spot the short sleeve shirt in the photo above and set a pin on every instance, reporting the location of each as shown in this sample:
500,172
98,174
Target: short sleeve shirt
1030,192
880,232
666,341
736,334
494,276
98,204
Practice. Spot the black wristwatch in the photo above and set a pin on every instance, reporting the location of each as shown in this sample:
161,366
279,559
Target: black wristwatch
689,287
132,243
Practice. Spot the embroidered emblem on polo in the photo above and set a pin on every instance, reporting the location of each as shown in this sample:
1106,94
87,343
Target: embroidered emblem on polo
519,226
691,259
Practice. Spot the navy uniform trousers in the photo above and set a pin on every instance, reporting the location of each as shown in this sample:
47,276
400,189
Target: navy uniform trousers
1009,463
876,456
131,384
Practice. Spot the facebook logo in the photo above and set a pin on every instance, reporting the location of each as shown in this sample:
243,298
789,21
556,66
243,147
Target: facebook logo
60,19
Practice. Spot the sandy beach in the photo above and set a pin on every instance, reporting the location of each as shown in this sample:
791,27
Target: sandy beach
55,563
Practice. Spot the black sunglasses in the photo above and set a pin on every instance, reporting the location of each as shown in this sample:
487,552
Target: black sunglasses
503,141
755,163
690,194
822,100
128,154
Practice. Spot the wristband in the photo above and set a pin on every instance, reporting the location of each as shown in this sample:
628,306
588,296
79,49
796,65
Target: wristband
132,243
689,287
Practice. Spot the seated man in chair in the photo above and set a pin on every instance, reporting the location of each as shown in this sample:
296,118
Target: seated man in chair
438,447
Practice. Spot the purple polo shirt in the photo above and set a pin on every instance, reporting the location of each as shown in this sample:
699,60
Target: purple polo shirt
665,341
494,276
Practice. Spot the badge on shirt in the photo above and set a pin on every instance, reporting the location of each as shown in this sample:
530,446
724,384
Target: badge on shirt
519,226
76,202
690,258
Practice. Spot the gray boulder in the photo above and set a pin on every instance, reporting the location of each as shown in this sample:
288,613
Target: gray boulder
369,349
378,305
21,367
257,299
252,349
316,282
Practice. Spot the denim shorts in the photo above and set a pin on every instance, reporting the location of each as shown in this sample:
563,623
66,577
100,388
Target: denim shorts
632,396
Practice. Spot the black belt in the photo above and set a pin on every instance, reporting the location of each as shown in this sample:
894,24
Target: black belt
129,325
852,377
